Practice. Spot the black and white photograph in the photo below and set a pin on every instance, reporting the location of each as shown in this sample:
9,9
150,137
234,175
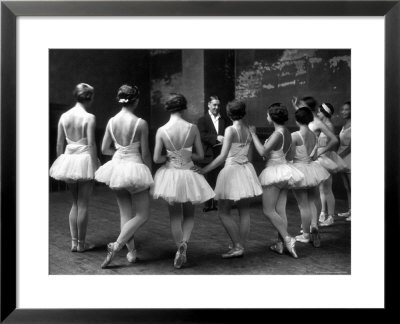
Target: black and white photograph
200,161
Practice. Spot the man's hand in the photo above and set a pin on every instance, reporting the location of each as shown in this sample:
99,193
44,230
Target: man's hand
220,138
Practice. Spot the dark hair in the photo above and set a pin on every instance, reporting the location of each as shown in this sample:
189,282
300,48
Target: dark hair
213,98
175,102
236,109
83,92
310,102
127,94
347,103
328,113
304,116
278,113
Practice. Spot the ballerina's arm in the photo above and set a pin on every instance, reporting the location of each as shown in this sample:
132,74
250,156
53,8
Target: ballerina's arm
199,155
60,139
228,137
106,148
144,144
91,138
332,139
265,149
158,157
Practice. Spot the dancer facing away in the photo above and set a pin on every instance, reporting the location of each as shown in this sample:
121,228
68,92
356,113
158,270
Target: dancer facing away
345,153
277,175
77,165
304,150
318,127
237,181
332,162
175,181
128,173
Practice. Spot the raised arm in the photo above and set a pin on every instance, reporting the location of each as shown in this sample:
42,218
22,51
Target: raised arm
228,137
144,144
60,139
106,148
158,157
91,128
346,151
265,149
199,155
332,139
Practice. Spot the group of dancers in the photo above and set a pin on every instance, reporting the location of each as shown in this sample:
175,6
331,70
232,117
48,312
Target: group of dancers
301,161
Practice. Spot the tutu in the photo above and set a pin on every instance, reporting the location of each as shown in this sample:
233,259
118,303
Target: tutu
181,185
126,170
278,171
75,164
314,173
125,174
332,162
175,182
237,181
280,175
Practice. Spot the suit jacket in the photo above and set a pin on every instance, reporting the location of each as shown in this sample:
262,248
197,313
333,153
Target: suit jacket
209,135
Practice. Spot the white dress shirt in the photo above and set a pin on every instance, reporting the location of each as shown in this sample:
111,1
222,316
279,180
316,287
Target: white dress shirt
215,120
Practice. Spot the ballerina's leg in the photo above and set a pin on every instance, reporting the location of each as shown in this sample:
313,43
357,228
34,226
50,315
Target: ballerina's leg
175,214
85,189
224,213
188,221
244,216
73,216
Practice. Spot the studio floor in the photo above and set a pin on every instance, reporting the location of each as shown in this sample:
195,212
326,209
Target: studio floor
209,240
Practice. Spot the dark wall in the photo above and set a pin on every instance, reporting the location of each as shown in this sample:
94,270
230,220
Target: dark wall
106,71
267,76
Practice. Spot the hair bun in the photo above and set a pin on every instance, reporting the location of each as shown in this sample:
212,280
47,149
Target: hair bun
175,102
127,94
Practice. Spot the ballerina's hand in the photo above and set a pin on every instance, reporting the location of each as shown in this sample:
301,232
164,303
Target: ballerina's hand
294,101
252,129
197,169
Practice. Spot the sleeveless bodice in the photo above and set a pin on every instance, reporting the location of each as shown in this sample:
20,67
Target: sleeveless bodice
238,153
278,156
301,154
182,158
129,152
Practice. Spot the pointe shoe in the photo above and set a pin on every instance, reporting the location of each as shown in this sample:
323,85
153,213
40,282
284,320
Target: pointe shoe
131,256
83,246
328,222
315,238
346,214
236,252
322,217
111,251
290,244
277,247
303,238
180,256
74,245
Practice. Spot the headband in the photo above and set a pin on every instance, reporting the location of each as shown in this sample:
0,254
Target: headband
326,108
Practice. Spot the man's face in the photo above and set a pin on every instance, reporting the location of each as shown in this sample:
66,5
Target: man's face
213,106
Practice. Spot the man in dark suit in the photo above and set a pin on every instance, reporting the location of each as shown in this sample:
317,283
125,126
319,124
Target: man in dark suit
212,128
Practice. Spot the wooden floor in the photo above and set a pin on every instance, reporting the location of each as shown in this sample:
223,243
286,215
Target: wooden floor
156,249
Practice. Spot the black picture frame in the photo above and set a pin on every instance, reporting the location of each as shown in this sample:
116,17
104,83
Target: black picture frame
10,10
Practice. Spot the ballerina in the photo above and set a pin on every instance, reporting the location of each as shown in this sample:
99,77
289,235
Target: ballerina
77,165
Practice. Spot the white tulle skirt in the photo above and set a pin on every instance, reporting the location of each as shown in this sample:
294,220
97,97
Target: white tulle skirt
314,174
74,167
125,174
281,175
237,181
180,186
332,162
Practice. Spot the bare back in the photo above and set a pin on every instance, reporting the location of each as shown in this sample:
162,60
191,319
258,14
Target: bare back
180,133
308,139
75,122
123,127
